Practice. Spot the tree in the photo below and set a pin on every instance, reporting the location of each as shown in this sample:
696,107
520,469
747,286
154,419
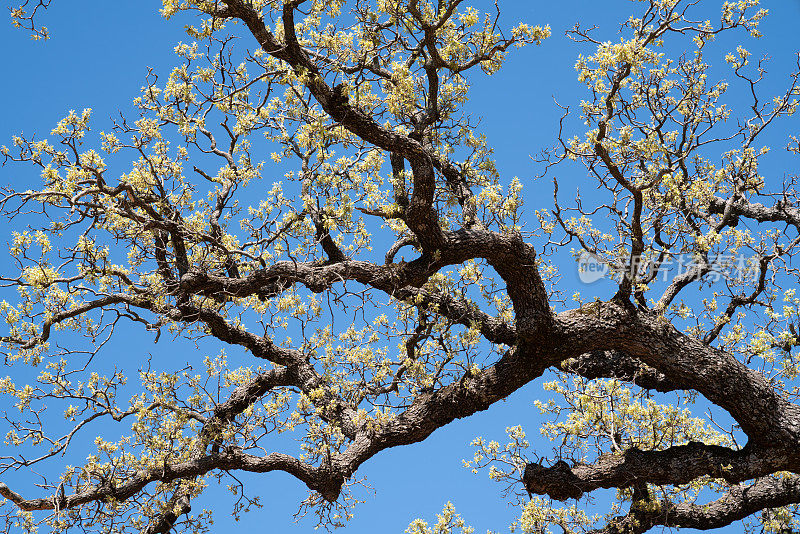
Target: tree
363,104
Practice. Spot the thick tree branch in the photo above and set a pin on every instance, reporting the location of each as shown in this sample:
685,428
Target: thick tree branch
740,502
761,411
670,467
615,364
226,460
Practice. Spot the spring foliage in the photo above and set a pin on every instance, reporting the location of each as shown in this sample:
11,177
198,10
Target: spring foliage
392,281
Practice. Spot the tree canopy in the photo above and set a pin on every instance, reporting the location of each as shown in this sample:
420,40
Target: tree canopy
393,281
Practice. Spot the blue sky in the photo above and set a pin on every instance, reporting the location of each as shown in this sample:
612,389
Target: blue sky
98,57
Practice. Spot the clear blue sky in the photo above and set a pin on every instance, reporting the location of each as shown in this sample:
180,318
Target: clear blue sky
97,58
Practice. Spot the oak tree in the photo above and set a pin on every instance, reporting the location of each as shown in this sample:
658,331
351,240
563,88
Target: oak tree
393,281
